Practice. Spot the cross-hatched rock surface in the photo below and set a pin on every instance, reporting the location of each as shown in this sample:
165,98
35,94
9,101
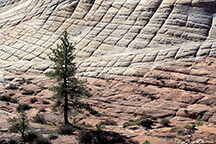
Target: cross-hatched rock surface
113,37
135,55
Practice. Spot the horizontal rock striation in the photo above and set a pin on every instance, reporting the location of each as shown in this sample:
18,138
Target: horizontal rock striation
112,36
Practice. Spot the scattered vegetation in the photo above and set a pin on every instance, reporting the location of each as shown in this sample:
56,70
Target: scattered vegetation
30,137
66,129
187,129
146,123
108,122
23,107
144,115
53,136
191,127
20,124
198,121
146,142
34,138
100,126
39,118
52,123
165,122
168,99
127,124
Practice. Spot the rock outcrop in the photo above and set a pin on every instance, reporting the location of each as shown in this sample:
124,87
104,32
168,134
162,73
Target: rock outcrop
112,37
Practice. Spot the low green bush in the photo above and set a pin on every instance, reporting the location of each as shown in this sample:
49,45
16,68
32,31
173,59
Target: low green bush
165,122
53,136
191,127
198,121
146,142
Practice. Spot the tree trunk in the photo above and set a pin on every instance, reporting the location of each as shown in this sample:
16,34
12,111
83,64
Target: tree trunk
65,91
66,109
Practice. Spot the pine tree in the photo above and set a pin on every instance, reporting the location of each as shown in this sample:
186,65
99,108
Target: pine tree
69,89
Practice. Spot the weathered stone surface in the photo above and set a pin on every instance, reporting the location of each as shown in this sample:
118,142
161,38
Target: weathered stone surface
135,56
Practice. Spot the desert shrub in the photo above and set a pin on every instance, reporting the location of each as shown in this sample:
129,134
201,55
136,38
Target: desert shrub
12,141
23,107
198,121
191,127
19,124
41,140
5,98
146,142
53,136
144,115
66,130
165,122
75,123
30,137
100,126
146,123
52,123
176,129
168,99
108,122
86,137
39,118
33,100
126,124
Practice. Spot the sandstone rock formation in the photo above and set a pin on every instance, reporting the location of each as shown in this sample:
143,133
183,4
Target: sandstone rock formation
155,56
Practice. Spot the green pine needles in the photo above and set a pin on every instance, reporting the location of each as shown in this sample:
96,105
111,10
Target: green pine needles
69,89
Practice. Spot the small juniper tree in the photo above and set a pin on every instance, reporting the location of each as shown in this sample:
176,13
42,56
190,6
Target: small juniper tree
69,89
19,124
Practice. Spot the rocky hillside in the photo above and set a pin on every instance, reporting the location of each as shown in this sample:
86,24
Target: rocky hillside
156,56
